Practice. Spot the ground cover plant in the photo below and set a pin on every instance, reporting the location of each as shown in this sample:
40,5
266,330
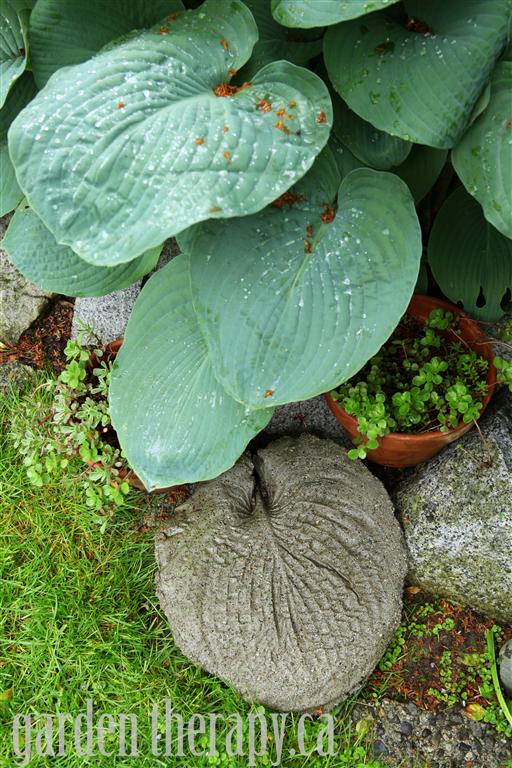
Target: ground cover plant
79,620
419,381
293,151
71,419
443,654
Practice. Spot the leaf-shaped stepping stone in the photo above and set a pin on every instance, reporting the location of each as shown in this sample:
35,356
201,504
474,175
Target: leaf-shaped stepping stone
418,80
148,137
296,298
284,576
175,423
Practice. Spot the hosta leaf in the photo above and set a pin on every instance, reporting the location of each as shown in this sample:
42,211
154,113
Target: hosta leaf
375,148
290,304
469,258
13,44
127,149
421,168
344,158
278,42
37,255
314,13
20,94
483,158
385,70
174,421
64,33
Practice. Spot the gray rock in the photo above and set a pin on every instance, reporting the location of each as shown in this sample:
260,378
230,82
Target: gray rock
107,316
21,302
443,738
506,666
311,416
13,375
456,514
284,575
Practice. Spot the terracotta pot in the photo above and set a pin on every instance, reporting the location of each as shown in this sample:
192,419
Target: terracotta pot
111,349
407,450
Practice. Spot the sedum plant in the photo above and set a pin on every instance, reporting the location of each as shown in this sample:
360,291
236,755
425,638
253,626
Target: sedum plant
418,382
289,146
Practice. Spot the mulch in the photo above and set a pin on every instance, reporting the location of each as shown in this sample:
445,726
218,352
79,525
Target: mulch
419,668
42,345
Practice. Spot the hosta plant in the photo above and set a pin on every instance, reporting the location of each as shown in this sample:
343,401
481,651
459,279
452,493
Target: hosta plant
292,147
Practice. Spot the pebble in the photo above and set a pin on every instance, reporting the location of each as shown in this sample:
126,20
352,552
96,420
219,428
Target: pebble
448,738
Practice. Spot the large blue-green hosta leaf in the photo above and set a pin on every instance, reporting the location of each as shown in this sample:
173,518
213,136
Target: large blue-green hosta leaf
483,158
314,13
469,258
23,90
64,33
13,43
420,80
145,139
277,42
375,148
36,254
292,301
421,169
174,421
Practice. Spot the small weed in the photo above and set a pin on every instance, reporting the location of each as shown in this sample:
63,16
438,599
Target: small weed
66,419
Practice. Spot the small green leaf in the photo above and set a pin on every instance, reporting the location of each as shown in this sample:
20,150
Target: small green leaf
469,258
483,159
175,422
34,251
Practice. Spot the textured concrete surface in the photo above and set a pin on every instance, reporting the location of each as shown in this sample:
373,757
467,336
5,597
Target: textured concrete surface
456,511
284,575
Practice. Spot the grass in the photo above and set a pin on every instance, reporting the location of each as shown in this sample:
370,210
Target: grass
79,621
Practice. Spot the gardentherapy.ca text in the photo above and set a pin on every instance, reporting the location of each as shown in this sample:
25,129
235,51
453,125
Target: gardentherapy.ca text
88,734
